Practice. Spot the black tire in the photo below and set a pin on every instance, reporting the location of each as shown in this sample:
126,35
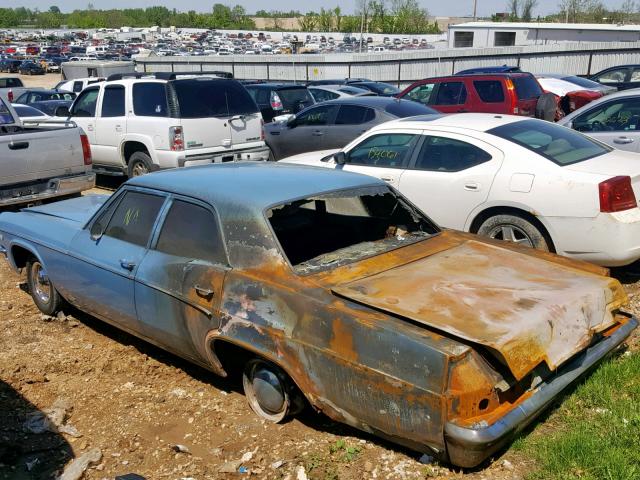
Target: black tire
44,294
139,164
269,391
516,229
546,107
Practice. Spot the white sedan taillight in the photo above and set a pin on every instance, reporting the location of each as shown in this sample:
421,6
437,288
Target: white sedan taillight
616,194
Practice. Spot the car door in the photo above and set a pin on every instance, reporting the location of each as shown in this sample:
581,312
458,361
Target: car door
384,155
615,122
615,77
83,113
450,176
350,122
307,131
451,97
493,98
179,282
110,126
105,257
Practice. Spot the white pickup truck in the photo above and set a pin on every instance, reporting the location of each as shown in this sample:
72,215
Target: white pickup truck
41,160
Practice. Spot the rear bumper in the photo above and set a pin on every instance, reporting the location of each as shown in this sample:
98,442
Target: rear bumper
54,187
468,447
260,153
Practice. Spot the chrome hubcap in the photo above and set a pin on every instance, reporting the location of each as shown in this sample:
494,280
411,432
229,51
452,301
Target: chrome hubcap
511,233
139,169
268,390
41,284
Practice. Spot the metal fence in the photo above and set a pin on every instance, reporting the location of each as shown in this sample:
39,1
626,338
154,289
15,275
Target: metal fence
404,67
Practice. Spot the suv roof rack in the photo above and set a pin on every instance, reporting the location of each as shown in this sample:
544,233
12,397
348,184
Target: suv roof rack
168,75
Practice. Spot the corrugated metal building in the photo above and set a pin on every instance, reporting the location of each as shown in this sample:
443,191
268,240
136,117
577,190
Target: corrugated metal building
507,34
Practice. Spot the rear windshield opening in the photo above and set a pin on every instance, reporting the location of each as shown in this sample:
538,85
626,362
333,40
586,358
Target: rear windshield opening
295,98
559,144
527,87
327,231
204,98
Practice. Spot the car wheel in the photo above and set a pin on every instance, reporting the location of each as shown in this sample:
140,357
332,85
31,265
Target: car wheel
513,228
268,390
139,164
44,294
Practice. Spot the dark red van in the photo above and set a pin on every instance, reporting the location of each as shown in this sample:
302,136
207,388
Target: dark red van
506,93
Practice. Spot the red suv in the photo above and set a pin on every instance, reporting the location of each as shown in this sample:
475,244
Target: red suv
507,93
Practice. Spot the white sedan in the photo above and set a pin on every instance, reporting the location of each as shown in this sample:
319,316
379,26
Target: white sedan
509,178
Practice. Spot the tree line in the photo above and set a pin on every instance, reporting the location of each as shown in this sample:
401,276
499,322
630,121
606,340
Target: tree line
573,11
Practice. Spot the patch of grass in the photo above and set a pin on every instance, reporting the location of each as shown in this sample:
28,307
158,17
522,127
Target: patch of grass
595,434
347,452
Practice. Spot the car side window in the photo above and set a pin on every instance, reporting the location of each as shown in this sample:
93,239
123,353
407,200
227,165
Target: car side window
421,93
613,76
323,95
441,154
451,93
77,87
614,116
150,99
390,150
134,217
203,241
113,101
635,75
317,116
85,104
489,91
354,115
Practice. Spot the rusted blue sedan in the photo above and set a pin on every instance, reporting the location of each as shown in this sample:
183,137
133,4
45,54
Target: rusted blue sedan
330,287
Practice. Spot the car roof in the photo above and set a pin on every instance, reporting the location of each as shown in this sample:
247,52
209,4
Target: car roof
274,86
480,122
251,185
372,101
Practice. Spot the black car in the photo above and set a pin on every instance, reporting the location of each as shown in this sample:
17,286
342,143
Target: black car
53,108
40,95
30,68
379,88
275,99
621,77
9,65
335,123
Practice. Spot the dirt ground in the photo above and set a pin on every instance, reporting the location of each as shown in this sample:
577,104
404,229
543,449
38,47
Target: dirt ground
153,414
48,80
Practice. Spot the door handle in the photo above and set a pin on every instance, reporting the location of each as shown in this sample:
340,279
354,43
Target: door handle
317,133
623,140
127,265
118,128
203,291
18,145
463,110
90,128
386,179
472,186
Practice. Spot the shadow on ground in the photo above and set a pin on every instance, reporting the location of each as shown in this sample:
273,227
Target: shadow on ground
25,455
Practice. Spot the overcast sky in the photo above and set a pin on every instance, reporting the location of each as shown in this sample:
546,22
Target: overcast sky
436,7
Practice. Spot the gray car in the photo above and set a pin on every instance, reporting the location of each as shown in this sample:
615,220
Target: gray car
335,123
614,120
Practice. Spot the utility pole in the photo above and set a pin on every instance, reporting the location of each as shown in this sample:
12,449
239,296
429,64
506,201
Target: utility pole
475,10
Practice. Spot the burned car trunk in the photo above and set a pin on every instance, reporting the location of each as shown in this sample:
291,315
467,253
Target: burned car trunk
333,286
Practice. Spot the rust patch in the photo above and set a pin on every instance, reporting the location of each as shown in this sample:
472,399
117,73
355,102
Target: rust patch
342,341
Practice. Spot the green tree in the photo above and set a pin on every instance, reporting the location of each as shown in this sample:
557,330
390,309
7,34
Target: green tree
309,22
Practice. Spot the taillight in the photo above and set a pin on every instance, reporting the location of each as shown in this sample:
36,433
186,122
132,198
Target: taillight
10,96
176,139
616,194
86,149
276,103
262,134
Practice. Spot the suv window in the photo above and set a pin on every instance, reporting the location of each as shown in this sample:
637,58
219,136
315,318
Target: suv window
323,95
295,98
389,150
451,93
85,104
561,145
113,101
421,93
440,154
527,87
206,98
134,217
613,116
77,87
203,241
354,115
316,116
489,91
150,99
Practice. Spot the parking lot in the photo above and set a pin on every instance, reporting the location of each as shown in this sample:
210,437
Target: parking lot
145,411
